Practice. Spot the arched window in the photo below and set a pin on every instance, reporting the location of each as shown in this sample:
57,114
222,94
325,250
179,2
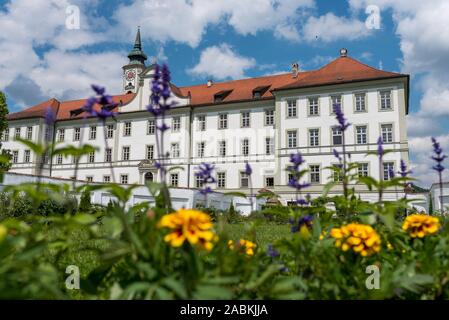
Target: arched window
148,177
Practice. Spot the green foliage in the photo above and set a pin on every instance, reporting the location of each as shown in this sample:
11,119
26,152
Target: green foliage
85,203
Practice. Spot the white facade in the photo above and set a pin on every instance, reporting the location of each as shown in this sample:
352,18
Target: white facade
230,134
438,197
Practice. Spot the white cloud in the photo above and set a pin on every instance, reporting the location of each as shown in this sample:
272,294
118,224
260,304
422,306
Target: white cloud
43,58
222,62
186,21
330,27
424,41
422,164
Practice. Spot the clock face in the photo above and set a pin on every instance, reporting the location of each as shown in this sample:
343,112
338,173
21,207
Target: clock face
130,75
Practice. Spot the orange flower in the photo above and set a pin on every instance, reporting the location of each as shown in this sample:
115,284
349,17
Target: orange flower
418,225
361,238
191,225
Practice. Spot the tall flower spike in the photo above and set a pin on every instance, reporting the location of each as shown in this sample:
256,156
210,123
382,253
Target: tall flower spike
439,156
380,148
339,115
50,116
403,169
105,102
248,169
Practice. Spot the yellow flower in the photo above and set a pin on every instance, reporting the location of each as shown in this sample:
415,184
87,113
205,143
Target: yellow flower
362,239
3,233
418,225
245,246
323,234
191,225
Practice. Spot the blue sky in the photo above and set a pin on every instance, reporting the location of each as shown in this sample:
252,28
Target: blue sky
200,39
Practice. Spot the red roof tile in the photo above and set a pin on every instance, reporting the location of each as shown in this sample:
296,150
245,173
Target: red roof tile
341,70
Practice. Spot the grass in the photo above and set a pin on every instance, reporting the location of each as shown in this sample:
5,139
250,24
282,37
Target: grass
261,231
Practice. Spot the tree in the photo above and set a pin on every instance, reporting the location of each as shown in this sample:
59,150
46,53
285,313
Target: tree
85,204
5,156
3,112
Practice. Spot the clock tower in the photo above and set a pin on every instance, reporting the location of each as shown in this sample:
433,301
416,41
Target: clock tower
135,66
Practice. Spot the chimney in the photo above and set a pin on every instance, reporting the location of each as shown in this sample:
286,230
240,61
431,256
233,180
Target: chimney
295,69
209,83
343,52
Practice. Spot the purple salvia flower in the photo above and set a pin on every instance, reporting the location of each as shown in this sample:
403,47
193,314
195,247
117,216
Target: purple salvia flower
403,170
380,148
272,252
50,116
248,169
337,155
102,99
439,156
339,115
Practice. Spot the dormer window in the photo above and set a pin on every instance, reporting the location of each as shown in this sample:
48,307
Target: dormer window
220,96
259,91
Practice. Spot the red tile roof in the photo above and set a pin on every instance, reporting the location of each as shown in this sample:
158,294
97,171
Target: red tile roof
341,70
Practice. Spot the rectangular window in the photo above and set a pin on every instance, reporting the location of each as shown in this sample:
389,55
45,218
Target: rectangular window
200,149
29,133
91,157
198,182
150,152
314,137
337,136
201,123
222,148
110,131
61,135
269,182
174,179
127,129
17,133
15,156
292,139
176,124
315,174
244,180
245,147
387,133
221,180
388,170
175,150
108,155
362,169
269,117
124,179
59,159
361,135
125,153
385,100
92,133
269,145
337,174
89,178
48,133
292,111
245,120
335,100
314,109
6,135
106,179
151,127
223,121
27,156
360,105
77,134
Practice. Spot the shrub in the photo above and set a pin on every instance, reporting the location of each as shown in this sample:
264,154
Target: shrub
85,203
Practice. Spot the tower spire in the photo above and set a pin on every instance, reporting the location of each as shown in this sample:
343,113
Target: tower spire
137,56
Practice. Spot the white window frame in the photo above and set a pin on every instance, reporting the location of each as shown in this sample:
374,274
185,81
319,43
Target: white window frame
269,145
149,154
175,151
222,121
269,117
245,147
386,131
221,179
292,108
77,134
29,133
201,123
92,133
108,154
313,173
245,119
291,139
127,129
360,102
314,137
176,124
359,134
151,127
313,109
126,153
222,148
